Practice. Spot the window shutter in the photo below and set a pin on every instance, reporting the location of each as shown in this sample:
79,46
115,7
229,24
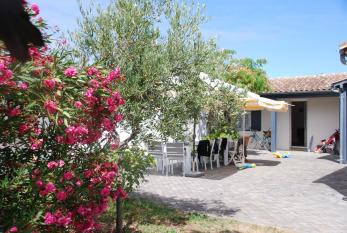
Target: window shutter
256,120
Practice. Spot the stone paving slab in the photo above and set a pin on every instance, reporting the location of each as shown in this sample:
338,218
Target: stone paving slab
306,193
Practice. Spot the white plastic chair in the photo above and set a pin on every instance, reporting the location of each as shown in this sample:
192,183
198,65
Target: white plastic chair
195,160
174,153
213,157
156,149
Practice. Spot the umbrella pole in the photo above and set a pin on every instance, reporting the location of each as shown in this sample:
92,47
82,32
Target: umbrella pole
244,132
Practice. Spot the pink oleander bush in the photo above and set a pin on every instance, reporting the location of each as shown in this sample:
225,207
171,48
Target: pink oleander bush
78,196
57,124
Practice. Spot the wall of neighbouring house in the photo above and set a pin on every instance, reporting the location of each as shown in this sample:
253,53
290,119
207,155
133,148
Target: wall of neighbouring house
322,120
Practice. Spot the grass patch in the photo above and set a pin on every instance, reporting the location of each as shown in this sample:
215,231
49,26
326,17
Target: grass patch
141,215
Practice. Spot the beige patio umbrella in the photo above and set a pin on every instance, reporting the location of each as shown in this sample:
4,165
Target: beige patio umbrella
261,103
253,102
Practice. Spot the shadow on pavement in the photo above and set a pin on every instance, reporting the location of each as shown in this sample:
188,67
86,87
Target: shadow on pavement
256,152
333,158
263,162
221,172
214,207
336,180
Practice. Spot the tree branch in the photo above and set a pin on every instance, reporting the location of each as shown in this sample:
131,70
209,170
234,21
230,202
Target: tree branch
125,143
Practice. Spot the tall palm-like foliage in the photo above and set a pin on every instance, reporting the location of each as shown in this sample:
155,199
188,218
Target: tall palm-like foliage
248,73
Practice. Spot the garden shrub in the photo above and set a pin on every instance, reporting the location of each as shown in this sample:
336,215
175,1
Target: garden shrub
57,124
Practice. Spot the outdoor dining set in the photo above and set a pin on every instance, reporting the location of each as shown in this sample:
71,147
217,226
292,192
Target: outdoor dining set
207,153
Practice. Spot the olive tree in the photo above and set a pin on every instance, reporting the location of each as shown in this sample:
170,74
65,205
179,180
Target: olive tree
164,51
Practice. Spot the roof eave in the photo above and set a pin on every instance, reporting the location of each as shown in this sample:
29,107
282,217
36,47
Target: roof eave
339,84
301,94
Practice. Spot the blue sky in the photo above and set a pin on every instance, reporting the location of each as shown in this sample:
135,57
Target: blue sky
297,37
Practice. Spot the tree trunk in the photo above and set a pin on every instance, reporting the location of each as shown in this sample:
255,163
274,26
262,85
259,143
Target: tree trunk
119,220
194,135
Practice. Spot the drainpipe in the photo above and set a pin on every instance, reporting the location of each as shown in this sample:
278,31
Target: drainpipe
273,131
343,125
342,88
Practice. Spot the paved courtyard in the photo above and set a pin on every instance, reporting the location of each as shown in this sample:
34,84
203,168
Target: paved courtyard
306,193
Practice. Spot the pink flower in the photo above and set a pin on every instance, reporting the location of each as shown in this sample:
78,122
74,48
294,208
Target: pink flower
89,93
105,191
37,171
37,131
81,210
50,106
60,121
13,229
95,180
34,52
8,74
64,220
43,193
116,95
49,83
23,129
50,187
70,130
119,193
114,146
79,130
107,123
35,8
111,175
52,164
110,101
114,74
92,70
79,183
68,176
60,139
23,86
36,144
61,163
69,189
61,195
118,118
88,173
78,104
121,101
13,112
94,83
39,183
49,218
70,72
122,193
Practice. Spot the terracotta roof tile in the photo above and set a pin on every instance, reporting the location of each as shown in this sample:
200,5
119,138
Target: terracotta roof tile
309,83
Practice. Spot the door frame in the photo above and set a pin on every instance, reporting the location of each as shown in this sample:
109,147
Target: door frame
305,122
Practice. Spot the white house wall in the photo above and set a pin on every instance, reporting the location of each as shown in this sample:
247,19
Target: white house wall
265,120
283,130
322,120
